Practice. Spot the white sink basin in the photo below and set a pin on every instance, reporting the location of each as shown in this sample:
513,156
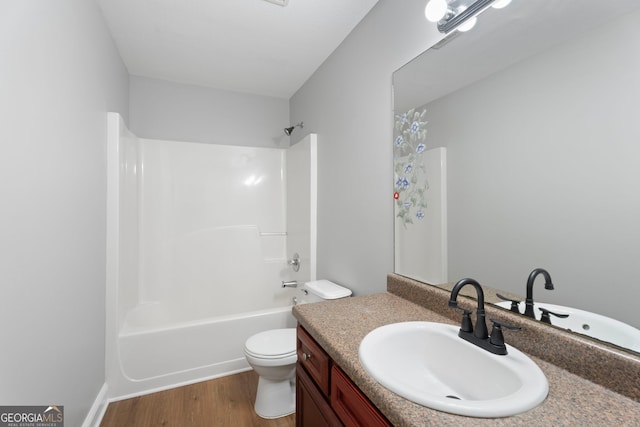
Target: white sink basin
429,364
587,323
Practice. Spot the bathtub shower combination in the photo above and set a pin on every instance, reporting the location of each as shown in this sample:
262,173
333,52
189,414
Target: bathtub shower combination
198,241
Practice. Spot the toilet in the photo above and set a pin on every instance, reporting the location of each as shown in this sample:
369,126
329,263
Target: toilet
272,354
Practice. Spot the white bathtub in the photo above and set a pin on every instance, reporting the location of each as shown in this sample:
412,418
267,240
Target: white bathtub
153,358
197,233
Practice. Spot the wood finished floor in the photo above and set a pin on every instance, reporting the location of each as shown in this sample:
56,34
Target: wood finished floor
224,402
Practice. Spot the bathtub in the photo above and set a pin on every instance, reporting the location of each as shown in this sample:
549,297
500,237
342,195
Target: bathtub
190,278
153,358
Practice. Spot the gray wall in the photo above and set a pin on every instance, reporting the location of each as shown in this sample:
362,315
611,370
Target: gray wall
348,102
59,76
180,112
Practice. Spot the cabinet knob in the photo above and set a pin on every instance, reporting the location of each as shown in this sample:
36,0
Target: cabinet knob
306,356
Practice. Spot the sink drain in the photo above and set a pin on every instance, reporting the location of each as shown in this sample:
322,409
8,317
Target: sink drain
453,397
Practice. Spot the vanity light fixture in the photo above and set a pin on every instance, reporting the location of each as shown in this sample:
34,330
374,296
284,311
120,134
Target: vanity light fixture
458,14
468,24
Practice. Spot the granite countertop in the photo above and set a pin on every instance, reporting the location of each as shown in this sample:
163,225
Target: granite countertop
339,326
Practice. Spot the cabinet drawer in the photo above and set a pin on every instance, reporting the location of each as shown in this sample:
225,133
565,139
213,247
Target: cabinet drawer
351,405
314,359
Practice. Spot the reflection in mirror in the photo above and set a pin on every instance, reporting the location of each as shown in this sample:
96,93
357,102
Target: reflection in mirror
420,202
452,14
538,111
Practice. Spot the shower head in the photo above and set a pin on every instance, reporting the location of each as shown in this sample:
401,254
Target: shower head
289,130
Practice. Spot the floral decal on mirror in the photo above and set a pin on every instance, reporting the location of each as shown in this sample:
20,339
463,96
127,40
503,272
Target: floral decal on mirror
409,136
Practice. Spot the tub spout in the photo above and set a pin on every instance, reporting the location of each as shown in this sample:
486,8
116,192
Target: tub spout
290,284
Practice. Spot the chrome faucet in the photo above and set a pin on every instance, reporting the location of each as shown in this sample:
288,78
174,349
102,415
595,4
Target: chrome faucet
290,284
528,310
479,335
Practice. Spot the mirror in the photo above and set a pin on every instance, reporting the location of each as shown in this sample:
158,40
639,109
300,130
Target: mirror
538,110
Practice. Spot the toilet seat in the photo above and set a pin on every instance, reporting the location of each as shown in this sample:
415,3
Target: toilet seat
272,344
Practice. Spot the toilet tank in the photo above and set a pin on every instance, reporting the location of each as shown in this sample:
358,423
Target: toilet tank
321,290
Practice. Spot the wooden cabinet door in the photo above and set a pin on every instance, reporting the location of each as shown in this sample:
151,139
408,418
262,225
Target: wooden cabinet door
314,359
312,410
351,405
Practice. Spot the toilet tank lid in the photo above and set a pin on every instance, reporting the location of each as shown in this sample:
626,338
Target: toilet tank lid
327,290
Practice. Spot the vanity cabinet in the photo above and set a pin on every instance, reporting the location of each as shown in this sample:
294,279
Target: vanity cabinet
325,396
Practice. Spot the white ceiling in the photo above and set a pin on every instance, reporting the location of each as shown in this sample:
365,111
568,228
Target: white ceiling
250,46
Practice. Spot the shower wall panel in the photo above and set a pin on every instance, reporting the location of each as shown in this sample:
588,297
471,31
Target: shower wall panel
213,230
302,176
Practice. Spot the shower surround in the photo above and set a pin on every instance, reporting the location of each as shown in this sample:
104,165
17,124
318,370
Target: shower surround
197,248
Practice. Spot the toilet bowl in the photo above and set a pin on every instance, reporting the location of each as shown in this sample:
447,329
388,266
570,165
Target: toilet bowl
272,354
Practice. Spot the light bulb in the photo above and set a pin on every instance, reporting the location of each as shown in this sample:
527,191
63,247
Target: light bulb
468,24
435,10
499,4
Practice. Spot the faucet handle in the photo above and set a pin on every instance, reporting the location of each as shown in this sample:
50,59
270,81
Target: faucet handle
514,303
295,262
497,338
466,325
545,318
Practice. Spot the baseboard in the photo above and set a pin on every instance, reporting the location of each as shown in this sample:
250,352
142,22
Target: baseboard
99,407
